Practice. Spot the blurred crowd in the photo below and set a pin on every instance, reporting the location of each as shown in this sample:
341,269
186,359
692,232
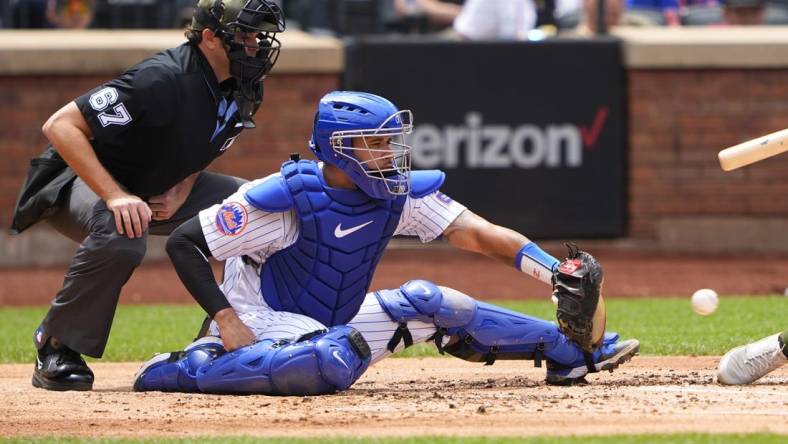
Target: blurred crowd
469,19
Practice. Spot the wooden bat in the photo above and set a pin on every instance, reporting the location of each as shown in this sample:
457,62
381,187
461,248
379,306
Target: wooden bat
754,150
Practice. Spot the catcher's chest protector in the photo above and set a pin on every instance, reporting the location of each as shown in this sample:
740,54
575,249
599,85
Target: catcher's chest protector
327,272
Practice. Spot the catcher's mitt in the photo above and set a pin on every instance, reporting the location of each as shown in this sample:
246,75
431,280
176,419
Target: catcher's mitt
577,283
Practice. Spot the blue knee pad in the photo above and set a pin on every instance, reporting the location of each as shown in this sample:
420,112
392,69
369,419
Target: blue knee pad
324,363
176,372
477,331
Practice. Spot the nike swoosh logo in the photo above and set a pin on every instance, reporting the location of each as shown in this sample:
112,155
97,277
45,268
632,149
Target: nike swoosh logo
339,358
340,233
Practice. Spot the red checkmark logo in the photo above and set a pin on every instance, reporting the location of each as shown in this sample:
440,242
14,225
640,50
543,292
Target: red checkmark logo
590,136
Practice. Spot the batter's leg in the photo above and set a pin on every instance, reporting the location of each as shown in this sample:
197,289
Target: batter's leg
748,363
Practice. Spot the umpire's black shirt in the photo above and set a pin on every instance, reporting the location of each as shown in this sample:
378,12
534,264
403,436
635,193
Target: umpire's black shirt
161,121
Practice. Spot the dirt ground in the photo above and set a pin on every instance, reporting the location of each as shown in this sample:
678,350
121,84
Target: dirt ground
430,396
403,397
627,274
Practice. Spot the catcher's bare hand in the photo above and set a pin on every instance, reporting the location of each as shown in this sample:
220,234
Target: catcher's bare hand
235,334
132,214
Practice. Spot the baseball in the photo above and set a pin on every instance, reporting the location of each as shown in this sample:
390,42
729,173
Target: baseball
705,301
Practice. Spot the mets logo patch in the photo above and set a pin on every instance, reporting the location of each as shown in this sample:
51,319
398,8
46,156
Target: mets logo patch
231,219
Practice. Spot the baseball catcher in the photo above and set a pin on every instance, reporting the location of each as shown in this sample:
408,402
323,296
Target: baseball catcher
293,315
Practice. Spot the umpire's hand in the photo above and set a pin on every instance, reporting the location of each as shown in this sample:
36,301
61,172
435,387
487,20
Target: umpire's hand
132,214
165,205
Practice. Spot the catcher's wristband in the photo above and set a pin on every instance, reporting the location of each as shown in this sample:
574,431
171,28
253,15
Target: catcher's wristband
535,262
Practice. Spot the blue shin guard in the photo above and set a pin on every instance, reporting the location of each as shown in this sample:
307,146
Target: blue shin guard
477,331
325,363
177,372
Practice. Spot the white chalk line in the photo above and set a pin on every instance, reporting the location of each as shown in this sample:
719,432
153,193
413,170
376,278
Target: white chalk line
732,391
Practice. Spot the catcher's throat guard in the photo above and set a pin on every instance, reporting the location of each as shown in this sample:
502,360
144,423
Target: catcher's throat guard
577,284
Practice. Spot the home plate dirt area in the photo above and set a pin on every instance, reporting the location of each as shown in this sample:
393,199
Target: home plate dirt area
406,397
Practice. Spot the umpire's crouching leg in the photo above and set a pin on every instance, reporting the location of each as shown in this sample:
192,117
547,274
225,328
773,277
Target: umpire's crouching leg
82,312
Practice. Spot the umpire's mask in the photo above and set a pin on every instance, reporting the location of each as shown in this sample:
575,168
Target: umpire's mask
248,28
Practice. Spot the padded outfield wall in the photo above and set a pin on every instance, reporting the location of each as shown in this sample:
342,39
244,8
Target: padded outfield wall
688,93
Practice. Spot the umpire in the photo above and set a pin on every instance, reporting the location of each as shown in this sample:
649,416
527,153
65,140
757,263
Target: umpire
126,160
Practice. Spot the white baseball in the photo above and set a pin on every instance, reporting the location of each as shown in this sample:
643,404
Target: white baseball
705,301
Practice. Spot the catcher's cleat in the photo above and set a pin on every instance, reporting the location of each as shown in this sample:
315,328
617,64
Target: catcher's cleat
176,371
156,361
748,363
60,368
611,357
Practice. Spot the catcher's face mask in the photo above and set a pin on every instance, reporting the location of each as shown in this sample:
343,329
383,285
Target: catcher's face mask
380,154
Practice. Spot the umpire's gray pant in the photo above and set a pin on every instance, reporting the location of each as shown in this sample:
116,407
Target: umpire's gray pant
81,313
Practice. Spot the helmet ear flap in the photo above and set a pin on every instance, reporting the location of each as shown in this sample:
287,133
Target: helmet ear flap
314,132
322,140
314,141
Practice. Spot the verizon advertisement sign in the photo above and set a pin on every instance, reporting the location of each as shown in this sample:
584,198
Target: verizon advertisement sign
502,146
531,135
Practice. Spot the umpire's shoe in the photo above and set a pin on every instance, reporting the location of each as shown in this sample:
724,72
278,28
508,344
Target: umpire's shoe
60,368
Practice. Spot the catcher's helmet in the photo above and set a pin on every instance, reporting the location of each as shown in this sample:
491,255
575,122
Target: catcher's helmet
381,171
